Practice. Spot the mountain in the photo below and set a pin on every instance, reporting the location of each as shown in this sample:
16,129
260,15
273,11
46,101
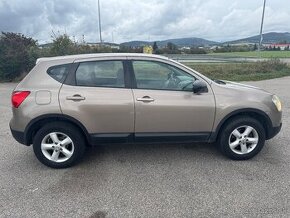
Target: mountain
181,42
268,38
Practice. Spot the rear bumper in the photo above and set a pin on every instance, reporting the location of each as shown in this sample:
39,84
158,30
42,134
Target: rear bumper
273,131
19,136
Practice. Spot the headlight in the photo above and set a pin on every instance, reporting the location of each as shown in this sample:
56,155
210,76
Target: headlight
277,102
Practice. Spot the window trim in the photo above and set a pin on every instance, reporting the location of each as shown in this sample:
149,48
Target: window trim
67,66
71,78
134,81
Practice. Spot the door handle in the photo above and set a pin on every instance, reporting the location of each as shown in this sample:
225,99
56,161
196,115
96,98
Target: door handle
75,98
145,99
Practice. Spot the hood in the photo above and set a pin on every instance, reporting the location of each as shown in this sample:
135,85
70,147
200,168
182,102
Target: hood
235,85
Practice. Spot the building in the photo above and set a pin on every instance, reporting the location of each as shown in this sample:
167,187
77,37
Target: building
105,44
281,46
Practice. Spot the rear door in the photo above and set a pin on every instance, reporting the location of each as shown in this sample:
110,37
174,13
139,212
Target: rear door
99,98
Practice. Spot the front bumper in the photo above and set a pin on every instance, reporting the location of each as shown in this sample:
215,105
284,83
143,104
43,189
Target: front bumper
273,131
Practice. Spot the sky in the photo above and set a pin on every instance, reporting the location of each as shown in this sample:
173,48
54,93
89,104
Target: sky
126,20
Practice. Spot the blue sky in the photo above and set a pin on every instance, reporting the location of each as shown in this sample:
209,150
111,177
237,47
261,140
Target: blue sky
125,20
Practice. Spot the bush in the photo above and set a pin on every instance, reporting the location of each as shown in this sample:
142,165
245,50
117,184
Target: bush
243,71
17,55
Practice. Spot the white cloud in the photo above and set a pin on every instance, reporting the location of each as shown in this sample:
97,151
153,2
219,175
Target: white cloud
140,20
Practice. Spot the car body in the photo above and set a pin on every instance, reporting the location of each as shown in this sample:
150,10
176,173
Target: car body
130,98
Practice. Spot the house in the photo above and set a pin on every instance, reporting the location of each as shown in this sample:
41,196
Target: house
281,46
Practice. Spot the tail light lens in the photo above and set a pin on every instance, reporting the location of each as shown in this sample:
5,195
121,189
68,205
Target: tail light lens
18,97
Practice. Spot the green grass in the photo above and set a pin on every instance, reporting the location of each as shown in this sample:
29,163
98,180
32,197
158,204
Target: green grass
255,54
243,71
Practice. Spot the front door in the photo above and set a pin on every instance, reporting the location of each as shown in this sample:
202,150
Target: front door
166,106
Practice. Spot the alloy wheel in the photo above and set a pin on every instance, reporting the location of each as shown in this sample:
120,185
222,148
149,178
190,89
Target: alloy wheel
243,139
57,147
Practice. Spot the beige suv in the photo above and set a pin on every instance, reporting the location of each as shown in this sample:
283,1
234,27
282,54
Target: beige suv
66,103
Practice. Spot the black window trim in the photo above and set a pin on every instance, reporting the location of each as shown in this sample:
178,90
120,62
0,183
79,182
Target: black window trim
57,66
71,77
134,82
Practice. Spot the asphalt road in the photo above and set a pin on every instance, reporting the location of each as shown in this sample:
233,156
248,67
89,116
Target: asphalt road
148,180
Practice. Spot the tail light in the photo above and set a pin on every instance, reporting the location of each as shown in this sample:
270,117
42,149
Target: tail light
18,97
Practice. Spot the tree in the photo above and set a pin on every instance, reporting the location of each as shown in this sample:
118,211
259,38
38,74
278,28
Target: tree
171,46
255,47
196,50
63,45
18,54
155,47
283,42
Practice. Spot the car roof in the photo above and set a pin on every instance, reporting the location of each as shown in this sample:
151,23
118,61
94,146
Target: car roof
99,55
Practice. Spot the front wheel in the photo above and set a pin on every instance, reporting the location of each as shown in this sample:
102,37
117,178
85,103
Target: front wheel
58,145
242,138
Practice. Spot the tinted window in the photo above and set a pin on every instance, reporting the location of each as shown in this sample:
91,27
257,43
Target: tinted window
58,72
100,73
157,75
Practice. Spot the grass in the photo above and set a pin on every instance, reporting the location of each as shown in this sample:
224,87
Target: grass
255,54
243,71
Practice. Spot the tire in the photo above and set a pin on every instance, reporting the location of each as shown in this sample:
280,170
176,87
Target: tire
59,145
238,141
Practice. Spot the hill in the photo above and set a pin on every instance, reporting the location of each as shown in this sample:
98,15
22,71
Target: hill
181,42
268,38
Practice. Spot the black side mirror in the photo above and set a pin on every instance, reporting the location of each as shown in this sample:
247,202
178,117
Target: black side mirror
199,87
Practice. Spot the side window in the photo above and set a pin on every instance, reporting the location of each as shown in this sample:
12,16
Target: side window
158,75
58,72
100,74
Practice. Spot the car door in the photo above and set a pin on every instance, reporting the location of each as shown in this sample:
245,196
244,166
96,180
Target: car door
165,105
100,99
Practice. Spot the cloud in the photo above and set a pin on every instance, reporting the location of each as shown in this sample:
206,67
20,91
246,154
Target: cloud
142,20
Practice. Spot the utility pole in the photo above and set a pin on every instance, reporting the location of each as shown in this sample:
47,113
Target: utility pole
261,30
100,26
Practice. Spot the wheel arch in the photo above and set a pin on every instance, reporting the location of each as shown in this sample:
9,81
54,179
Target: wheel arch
38,122
257,114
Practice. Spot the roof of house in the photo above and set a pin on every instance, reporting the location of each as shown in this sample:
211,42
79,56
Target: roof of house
279,45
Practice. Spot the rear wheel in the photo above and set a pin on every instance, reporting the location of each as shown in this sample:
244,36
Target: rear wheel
59,145
242,138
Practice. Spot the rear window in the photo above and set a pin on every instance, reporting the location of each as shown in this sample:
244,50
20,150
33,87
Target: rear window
101,74
58,72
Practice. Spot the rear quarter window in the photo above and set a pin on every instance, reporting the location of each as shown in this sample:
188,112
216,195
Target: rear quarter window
58,72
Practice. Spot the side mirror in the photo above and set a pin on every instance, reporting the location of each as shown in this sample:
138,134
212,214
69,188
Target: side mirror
199,87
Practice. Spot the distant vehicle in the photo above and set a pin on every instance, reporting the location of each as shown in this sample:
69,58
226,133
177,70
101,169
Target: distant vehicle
67,103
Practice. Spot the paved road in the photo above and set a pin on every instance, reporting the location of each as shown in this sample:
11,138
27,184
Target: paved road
148,180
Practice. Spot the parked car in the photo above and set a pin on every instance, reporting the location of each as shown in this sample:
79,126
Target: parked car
67,103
